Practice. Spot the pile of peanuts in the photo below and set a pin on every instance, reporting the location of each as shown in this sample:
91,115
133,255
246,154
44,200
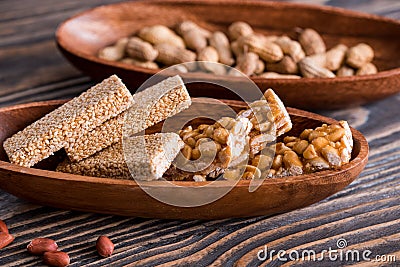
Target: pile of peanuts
253,54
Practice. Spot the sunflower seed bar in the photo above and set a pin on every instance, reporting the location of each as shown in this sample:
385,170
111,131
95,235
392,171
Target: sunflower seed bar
83,113
152,105
148,157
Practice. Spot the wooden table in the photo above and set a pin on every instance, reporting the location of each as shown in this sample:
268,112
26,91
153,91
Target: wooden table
366,213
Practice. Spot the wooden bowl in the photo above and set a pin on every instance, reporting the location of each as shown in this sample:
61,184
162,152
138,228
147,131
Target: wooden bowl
125,197
80,38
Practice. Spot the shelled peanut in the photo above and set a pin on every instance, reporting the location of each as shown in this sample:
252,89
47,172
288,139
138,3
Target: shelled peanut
252,53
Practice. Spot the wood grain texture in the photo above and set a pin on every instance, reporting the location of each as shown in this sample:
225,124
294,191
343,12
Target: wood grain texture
365,213
335,25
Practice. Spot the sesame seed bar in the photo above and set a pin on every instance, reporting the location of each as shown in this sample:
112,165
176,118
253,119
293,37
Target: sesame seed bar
110,132
151,161
155,104
83,113
108,163
148,157
152,105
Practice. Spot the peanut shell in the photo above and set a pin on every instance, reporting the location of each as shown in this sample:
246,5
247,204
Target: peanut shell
238,29
359,55
220,42
189,25
247,63
291,48
159,34
274,75
171,55
310,70
311,42
267,51
210,55
139,63
260,67
345,71
367,69
286,66
194,40
141,50
115,52
335,57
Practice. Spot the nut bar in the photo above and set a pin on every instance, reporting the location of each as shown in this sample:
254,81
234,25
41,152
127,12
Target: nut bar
270,119
252,130
148,157
83,113
210,149
325,147
152,105
280,115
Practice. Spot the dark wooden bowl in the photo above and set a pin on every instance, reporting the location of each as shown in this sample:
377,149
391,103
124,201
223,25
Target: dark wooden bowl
125,197
81,37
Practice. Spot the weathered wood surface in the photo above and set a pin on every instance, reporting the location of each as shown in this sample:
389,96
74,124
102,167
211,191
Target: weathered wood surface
366,213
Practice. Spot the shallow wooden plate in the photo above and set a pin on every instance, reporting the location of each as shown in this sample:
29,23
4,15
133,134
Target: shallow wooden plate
125,197
81,37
